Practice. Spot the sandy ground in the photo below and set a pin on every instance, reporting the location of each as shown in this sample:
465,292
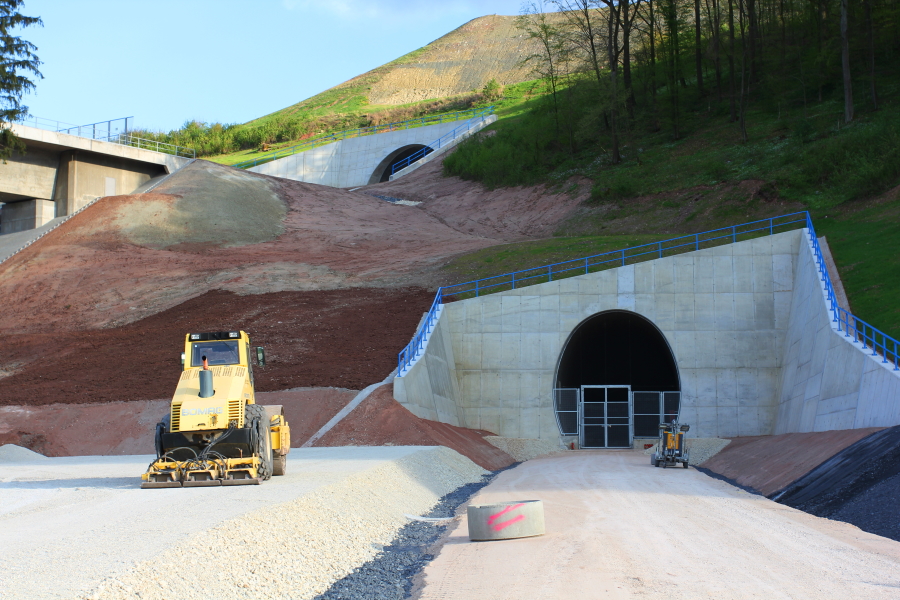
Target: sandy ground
68,524
617,528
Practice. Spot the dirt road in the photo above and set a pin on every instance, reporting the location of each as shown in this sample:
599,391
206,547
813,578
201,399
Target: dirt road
618,528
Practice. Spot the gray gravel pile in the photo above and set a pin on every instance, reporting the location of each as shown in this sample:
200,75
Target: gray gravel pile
700,449
10,453
390,575
523,449
298,549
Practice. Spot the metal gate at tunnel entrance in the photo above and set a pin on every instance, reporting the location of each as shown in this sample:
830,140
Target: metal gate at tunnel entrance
612,416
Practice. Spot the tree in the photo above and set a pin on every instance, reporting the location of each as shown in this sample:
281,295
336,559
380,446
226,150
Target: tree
545,63
845,64
16,57
587,35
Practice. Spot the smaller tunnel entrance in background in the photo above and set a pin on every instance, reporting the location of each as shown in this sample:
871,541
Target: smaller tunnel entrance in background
611,353
384,169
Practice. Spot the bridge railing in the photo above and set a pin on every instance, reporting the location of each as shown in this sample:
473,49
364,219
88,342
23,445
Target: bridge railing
101,130
363,131
880,343
438,143
128,139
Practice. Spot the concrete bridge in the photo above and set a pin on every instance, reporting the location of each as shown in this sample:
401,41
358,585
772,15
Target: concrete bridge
60,173
364,160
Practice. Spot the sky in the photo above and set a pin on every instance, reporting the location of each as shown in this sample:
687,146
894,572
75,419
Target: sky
165,62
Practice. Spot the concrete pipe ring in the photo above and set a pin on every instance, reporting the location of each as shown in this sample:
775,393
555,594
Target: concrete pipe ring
506,520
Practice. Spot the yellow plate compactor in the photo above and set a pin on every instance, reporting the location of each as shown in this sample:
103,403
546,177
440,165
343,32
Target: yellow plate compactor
671,448
215,433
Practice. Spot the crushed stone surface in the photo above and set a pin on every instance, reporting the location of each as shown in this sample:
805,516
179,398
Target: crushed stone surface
523,449
874,510
391,574
84,524
700,449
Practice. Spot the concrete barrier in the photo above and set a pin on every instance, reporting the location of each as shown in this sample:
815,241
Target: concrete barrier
507,520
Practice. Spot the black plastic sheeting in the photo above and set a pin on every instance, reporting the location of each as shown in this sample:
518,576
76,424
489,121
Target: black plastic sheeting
859,485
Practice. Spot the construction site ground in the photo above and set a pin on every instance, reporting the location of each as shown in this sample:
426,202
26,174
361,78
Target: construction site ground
81,527
617,528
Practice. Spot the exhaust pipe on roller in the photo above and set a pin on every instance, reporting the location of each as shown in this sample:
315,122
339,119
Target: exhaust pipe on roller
206,381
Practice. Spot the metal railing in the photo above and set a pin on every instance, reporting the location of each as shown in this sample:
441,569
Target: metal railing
862,331
101,130
852,326
115,131
128,139
363,131
438,143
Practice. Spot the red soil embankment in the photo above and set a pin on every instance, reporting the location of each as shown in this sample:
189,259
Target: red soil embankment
117,428
341,338
770,463
380,420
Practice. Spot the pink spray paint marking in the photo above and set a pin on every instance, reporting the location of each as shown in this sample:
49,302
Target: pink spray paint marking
505,524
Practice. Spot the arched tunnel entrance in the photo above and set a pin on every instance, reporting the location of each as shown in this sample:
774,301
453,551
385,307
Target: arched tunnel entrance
616,380
383,171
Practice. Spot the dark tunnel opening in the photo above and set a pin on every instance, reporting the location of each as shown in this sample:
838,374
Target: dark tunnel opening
385,168
621,348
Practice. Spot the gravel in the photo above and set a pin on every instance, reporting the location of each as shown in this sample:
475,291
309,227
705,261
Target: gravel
523,449
298,549
700,449
874,510
391,574
10,453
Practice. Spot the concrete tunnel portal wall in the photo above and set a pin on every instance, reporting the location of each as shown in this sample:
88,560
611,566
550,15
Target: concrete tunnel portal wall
750,348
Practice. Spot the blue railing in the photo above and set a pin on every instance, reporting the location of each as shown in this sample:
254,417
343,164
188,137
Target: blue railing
362,131
862,331
438,143
880,343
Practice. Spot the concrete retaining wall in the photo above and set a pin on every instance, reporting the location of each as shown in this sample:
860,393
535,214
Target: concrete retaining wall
724,311
360,161
828,382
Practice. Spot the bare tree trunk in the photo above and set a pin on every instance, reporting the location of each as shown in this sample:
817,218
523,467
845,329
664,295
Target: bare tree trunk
698,51
845,64
744,77
871,29
731,58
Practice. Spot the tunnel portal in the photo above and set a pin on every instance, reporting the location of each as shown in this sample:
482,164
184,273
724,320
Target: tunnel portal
617,379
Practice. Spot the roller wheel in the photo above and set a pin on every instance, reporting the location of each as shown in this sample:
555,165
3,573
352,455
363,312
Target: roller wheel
685,465
279,465
161,428
256,416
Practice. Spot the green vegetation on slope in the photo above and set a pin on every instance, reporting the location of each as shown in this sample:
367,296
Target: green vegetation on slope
691,159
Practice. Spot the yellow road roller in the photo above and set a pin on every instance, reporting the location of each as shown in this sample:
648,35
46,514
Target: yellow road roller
215,433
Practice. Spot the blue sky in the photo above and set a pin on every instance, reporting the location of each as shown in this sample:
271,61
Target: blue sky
168,61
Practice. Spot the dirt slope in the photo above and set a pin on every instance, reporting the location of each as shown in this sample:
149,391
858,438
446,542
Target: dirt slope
508,214
382,421
341,338
213,227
